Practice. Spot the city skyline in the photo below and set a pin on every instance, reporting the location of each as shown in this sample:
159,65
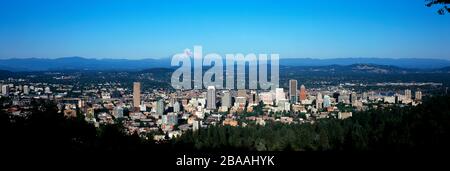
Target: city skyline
225,84
294,29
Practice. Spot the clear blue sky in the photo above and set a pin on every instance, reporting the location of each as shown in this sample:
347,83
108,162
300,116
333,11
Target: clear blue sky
141,29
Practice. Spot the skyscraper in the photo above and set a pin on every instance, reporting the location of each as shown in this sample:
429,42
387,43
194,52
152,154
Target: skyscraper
418,95
302,92
136,94
160,107
5,90
319,100
226,99
176,107
326,101
407,94
293,91
211,98
26,90
279,94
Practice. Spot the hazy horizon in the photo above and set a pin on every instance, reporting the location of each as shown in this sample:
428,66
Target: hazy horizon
169,57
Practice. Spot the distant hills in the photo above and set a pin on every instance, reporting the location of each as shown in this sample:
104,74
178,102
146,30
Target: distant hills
80,63
417,63
353,68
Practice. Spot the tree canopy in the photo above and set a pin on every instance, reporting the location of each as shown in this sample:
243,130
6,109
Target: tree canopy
443,8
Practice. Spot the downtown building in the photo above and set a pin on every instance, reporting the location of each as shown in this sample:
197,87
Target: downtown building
211,98
136,95
293,95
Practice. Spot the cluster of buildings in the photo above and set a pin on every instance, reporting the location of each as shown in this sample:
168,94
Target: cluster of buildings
164,114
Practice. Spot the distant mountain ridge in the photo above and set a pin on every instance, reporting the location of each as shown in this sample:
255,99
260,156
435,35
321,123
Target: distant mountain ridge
80,63
417,63
354,68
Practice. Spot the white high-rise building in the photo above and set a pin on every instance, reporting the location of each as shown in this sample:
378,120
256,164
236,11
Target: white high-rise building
226,99
176,107
407,94
319,100
279,94
5,90
418,95
26,90
211,98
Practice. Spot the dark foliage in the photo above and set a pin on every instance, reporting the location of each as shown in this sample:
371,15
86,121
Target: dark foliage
443,5
422,128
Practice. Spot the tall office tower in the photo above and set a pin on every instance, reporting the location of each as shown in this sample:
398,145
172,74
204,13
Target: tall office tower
136,94
226,99
302,92
293,97
5,90
418,95
160,107
26,90
176,107
279,94
326,101
319,100
407,94
211,98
